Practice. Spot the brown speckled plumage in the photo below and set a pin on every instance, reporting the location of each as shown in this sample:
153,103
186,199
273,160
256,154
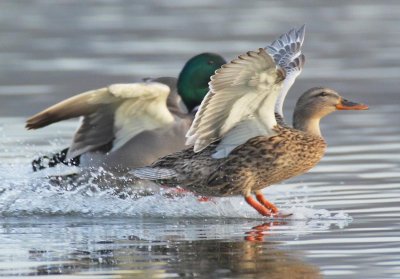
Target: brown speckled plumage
260,162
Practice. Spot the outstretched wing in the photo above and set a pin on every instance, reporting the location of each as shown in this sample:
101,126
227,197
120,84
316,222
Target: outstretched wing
112,114
241,90
144,109
286,52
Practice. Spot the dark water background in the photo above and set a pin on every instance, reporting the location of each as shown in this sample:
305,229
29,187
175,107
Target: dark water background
346,211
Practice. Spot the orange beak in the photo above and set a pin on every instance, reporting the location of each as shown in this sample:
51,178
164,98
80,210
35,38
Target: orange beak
347,105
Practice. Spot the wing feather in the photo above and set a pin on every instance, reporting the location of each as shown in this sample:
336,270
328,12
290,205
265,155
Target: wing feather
145,111
112,114
286,51
79,105
245,88
240,134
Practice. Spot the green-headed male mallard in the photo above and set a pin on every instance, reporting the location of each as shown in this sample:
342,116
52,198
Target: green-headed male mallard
239,147
130,125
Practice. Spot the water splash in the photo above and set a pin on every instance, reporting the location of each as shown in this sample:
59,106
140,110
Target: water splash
100,193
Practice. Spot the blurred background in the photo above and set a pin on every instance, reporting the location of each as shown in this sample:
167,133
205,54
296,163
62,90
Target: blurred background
50,50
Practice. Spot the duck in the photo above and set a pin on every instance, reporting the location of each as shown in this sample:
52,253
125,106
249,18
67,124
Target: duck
237,145
126,126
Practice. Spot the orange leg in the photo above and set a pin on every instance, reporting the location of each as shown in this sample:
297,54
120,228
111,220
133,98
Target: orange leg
260,197
258,206
204,199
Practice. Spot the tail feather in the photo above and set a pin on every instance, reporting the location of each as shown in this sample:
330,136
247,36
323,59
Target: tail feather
149,173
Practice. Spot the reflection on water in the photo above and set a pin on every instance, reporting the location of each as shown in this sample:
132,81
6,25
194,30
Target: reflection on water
86,249
345,212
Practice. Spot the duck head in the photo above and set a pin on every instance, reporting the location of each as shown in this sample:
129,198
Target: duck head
195,76
317,103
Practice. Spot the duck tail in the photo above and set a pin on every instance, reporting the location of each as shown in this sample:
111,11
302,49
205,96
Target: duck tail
50,161
149,173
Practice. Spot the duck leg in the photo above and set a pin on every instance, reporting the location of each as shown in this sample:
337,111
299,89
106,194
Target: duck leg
258,206
260,197
263,206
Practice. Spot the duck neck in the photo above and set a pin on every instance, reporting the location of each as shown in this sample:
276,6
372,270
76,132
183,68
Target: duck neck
308,125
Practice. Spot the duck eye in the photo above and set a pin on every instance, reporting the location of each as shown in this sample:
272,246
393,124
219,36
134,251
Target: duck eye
323,94
210,62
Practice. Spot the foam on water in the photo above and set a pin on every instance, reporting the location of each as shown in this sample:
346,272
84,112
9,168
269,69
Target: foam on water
26,193
99,194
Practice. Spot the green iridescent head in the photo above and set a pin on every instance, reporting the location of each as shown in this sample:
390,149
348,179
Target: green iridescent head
195,76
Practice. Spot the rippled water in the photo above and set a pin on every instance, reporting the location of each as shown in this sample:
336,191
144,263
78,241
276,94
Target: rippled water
345,220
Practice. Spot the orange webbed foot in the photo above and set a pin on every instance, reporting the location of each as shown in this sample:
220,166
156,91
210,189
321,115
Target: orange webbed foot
264,207
260,197
259,207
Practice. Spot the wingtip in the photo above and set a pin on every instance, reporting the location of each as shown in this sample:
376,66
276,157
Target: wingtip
301,33
35,122
293,35
31,124
29,127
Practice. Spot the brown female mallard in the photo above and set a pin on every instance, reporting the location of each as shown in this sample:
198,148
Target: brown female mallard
239,148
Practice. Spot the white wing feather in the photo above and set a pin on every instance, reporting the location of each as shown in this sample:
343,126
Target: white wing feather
116,113
145,109
286,51
240,134
243,89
